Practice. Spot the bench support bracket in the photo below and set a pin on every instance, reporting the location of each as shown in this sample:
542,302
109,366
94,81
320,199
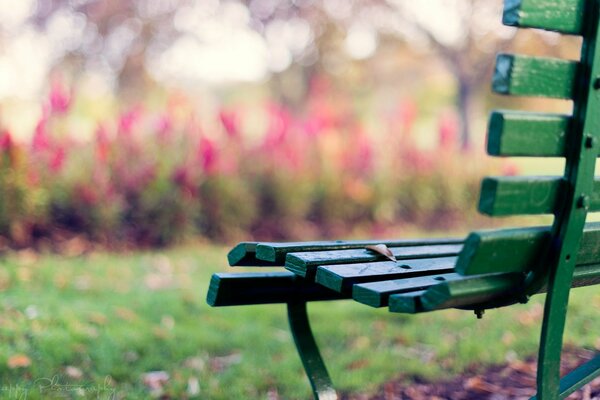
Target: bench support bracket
308,350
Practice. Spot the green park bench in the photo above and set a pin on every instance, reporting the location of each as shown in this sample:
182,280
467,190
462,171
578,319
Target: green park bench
488,269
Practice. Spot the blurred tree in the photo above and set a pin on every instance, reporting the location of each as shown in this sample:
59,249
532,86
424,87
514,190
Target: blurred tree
299,38
465,35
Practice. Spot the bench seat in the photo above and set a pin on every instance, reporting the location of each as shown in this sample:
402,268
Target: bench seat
422,279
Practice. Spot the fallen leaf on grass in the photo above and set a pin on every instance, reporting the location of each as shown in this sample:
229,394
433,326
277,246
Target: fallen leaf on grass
196,363
158,281
155,380
125,314
383,250
193,386
219,364
73,372
18,361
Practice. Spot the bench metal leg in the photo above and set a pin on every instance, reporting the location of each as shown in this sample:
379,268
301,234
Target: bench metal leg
309,352
555,313
577,378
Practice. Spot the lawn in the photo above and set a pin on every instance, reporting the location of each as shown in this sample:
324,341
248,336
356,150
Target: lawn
136,325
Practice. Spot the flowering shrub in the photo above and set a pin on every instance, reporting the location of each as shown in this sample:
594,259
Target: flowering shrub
151,177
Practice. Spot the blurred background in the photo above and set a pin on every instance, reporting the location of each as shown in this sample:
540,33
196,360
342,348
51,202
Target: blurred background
140,138
136,123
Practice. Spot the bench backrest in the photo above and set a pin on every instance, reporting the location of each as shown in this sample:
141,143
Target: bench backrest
537,251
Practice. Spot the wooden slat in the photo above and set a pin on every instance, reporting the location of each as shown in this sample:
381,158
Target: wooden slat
564,16
406,303
376,294
513,133
341,277
534,76
277,252
471,291
501,196
264,288
517,250
244,255
305,264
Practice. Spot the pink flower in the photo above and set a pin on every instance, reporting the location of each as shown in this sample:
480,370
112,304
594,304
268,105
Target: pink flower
279,123
128,120
60,98
509,168
448,130
6,141
208,156
102,143
58,159
164,126
230,121
41,140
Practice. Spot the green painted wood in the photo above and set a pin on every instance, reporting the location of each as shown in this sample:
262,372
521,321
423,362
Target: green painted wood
406,303
534,76
564,16
308,350
502,196
518,250
514,133
305,264
477,290
244,255
341,277
469,291
376,294
264,288
277,252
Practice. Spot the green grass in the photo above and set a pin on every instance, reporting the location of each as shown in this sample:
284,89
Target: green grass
92,326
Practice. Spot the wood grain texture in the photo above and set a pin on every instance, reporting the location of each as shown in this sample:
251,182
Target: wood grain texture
277,252
264,288
517,250
305,264
341,277
534,76
564,16
513,133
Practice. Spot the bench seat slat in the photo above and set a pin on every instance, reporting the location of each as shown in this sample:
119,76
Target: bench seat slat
534,76
516,250
277,252
305,264
503,196
341,277
376,294
244,255
236,289
564,16
475,290
513,133
272,254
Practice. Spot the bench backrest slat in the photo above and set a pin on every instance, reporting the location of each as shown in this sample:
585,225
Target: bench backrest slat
524,195
514,133
515,250
564,16
534,76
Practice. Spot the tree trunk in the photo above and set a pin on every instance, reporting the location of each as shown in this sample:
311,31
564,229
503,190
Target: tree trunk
464,100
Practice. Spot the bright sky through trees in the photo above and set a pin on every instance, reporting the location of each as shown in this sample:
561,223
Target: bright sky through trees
216,45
